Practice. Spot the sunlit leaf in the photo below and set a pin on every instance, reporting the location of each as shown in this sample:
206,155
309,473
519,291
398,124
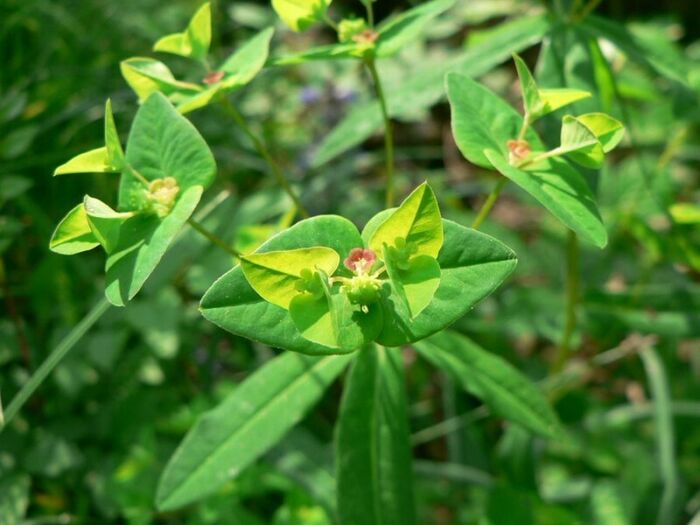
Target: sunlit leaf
147,76
93,161
608,130
580,144
104,222
416,284
300,14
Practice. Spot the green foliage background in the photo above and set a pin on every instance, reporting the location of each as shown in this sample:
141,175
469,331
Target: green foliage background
90,446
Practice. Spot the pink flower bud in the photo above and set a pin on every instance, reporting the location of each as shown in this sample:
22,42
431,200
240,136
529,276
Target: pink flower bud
360,260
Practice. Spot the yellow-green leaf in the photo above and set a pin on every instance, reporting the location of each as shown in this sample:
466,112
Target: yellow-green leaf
417,221
531,96
553,99
608,130
115,153
274,275
93,161
416,284
300,14
685,213
73,234
580,144
194,41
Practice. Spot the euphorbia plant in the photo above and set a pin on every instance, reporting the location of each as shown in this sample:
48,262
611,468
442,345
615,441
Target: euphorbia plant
323,291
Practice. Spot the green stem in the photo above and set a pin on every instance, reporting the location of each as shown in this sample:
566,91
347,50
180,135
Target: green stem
370,12
328,20
525,126
572,292
587,10
388,132
264,152
54,359
213,238
490,201
556,152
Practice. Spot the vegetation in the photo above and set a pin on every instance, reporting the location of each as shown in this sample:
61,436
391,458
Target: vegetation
349,263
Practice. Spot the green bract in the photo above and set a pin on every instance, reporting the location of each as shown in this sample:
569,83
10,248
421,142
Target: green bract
194,41
418,289
389,37
164,172
146,75
539,102
300,14
484,124
109,158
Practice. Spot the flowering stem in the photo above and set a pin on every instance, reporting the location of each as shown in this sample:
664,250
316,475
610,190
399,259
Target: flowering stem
388,132
54,359
489,203
263,151
370,12
214,239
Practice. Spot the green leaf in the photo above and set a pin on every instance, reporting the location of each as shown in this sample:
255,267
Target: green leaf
562,190
608,130
396,32
147,76
163,143
244,426
373,453
73,234
685,213
495,381
300,14
115,153
275,275
234,305
14,498
143,240
93,161
331,320
194,41
580,144
483,123
425,87
472,266
416,284
417,221
104,222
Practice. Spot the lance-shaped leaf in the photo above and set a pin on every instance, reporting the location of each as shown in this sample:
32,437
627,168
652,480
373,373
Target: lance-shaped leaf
163,143
472,266
539,102
501,386
685,213
245,425
104,222
298,15
194,41
236,71
73,234
373,452
483,123
331,320
235,306
417,221
275,275
143,240
580,144
147,76
415,282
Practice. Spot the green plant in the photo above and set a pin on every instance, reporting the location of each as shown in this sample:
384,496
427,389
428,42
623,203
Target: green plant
334,297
